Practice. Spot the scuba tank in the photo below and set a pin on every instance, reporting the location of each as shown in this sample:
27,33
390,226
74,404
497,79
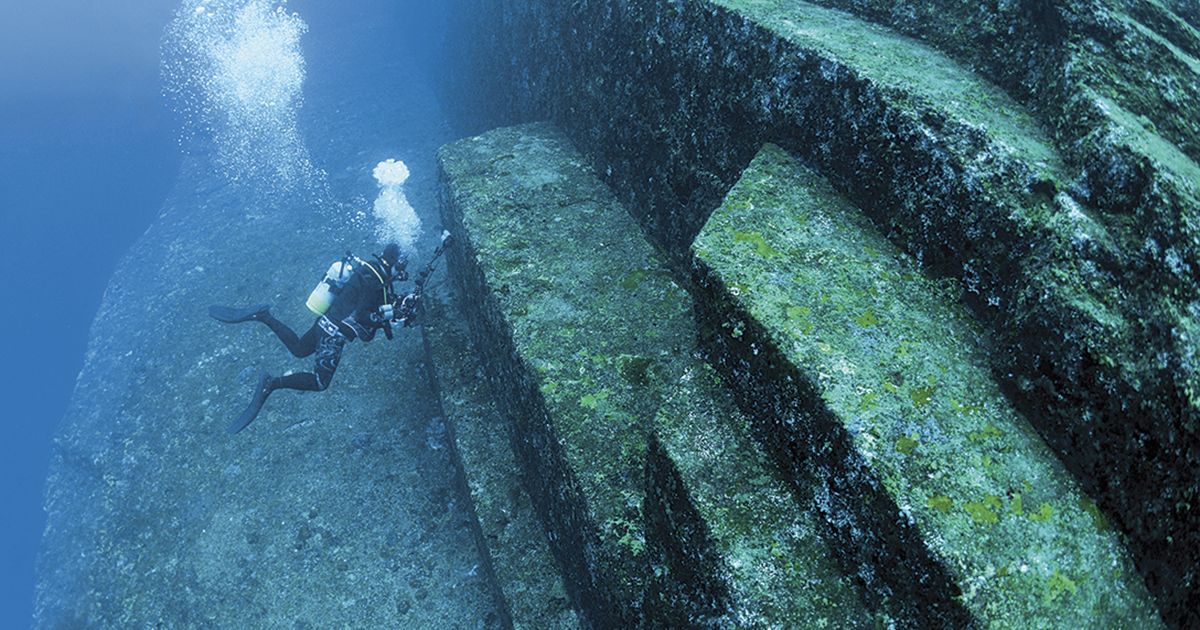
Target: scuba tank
326,291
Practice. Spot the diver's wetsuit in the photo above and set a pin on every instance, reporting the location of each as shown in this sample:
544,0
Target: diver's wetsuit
349,318
354,314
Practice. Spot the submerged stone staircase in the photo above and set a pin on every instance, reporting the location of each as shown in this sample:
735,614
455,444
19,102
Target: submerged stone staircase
1064,202
873,474
657,508
872,385
779,570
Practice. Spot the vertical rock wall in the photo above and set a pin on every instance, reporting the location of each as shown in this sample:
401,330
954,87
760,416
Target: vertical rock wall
658,507
1082,267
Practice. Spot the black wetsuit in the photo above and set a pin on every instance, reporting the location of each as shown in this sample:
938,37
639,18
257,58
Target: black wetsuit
350,317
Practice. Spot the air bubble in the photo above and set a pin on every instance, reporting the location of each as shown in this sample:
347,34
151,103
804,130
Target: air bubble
235,72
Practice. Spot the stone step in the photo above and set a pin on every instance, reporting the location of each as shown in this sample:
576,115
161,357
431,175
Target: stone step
1084,319
1186,10
580,332
584,335
1166,24
870,381
1088,284
1080,280
961,175
908,68
508,534
771,553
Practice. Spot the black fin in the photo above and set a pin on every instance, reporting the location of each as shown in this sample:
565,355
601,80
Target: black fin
261,391
231,315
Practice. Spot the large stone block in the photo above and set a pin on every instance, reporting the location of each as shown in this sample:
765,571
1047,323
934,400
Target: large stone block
510,538
580,331
770,551
658,515
868,379
1085,275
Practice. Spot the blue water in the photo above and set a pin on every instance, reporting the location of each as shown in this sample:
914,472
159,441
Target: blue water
87,153
89,150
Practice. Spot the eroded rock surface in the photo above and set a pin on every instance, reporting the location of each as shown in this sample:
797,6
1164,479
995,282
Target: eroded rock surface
659,508
1041,154
511,540
873,384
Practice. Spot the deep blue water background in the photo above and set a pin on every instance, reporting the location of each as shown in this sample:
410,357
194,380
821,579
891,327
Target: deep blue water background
88,153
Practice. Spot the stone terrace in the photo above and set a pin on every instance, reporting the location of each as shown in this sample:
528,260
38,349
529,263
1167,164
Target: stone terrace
585,336
871,382
1065,214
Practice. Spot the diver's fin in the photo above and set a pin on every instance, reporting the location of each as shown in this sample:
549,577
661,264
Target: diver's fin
261,391
231,315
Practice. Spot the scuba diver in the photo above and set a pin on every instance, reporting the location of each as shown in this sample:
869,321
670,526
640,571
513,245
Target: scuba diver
355,300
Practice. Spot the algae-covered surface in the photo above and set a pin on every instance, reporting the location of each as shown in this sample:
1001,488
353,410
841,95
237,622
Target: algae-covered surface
581,328
511,537
660,508
896,362
1130,130
910,67
593,316
780,571
1086,283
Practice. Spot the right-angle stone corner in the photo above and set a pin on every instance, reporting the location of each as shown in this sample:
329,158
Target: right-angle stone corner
580,331
871,388
659,508
769,548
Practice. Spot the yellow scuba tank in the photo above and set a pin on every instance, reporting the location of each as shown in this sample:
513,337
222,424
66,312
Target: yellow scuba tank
323,294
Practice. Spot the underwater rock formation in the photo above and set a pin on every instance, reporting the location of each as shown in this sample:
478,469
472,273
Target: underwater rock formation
932,363
780,570
894,459
509,536
659,508
581,361
1043,155
872,385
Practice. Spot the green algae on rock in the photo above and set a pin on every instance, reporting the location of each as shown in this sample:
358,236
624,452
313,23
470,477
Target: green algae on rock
925,430
779,569
1087,282
659,509
911,70
542,248
509,536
